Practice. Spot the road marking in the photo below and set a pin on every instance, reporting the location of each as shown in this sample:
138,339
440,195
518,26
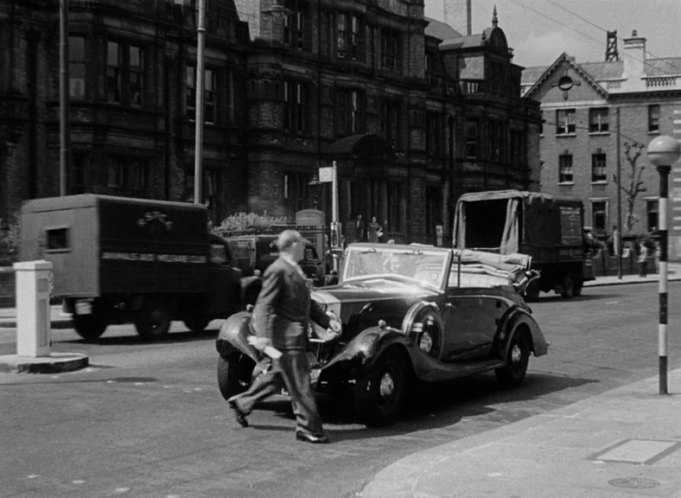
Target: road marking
641,451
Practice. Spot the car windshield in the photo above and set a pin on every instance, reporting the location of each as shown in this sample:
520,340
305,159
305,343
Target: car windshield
423,265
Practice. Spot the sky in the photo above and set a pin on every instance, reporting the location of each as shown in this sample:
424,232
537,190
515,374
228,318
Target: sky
539,31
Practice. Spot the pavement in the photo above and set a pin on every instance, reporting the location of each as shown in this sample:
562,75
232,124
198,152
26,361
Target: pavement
621,443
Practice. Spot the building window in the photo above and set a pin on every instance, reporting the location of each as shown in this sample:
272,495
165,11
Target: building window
394,201
296,24
350,112
390,122
209,94
128,176
565,169
496,145
136,82
653,118
350,37
652,215
599,121
124,73
598,174
296,104
433,208
472,139
77,67
599,215
296,190
391,50
434,131
565,122
113,71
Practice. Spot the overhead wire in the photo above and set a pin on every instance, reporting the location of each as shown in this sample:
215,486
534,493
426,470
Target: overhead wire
562,24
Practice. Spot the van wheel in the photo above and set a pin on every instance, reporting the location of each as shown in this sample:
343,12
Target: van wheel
89,326
196,324
153,320
568,286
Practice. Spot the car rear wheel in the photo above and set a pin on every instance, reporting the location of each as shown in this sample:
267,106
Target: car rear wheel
234,374
380,396
518,356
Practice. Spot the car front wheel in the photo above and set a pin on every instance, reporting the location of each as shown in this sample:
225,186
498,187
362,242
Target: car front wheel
234,374
518,356
380,396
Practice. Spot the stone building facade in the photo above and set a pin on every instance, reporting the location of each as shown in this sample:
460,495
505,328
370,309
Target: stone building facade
593,112
412,113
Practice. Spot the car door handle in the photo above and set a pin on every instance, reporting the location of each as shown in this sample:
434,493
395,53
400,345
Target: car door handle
450,306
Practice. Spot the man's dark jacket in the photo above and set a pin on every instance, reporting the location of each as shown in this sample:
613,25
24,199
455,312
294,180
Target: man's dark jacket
284,307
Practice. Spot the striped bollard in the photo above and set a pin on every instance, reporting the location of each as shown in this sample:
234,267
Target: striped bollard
663,151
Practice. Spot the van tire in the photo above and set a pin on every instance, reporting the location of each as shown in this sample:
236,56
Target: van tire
153,320
89,327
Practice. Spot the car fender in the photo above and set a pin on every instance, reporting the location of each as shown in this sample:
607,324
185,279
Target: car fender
515,318
233,336
363,350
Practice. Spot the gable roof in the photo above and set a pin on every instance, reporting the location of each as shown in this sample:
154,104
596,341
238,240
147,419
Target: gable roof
441,30
564,58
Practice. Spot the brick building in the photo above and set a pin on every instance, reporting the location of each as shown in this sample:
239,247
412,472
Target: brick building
592,112
412,112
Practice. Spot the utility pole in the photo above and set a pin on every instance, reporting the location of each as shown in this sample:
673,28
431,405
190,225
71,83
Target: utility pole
198,135
618,239
64,124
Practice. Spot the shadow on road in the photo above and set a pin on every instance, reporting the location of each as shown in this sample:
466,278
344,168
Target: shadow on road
433,406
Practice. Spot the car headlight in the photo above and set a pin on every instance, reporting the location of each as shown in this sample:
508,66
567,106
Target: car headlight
426,342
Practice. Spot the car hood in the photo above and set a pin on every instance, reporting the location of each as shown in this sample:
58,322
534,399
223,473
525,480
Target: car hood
386,298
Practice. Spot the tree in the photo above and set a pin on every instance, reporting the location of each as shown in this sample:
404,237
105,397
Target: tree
633,185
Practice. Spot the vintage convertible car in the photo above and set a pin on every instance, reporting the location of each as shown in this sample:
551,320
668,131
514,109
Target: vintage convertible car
409,313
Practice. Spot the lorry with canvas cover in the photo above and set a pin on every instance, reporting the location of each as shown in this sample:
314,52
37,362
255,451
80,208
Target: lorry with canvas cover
547,228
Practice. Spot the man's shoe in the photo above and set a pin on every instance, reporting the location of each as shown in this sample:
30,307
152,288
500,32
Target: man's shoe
311,438
238,414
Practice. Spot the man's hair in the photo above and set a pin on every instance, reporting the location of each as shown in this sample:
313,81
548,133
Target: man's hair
289,237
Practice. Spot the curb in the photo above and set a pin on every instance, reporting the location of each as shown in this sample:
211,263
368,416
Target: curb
64,323
55,363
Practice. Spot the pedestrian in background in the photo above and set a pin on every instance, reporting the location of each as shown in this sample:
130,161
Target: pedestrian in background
374,230
642,258
280,320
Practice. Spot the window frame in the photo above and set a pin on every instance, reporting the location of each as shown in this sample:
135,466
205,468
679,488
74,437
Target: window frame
592,211
77,66
563,166
654,118
595,167
567,126
598,125
295,107
210,85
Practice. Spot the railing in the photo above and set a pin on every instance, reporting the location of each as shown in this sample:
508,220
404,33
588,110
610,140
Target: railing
662,82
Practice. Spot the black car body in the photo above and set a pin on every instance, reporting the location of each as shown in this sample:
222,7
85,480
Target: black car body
409,312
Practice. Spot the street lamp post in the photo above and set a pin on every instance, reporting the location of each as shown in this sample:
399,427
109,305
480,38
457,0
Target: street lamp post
663,151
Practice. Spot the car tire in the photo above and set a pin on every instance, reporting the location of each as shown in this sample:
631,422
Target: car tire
197,323
89,327
154,319
380,395
517,358
234,374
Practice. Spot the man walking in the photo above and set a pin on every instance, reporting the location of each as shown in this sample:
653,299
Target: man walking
280,319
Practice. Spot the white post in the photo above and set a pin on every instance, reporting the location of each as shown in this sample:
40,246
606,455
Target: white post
335,229
200,91
34,327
